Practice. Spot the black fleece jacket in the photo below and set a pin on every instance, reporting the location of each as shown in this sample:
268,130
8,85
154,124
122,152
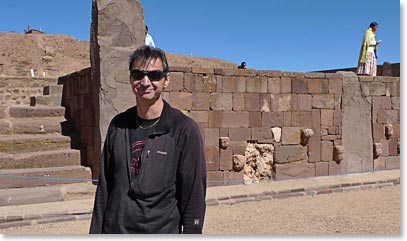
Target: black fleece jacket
168,194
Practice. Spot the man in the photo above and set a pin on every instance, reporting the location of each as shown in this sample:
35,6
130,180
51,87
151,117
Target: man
153,173
149,39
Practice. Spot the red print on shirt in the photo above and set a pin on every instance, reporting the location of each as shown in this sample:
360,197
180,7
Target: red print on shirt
136,149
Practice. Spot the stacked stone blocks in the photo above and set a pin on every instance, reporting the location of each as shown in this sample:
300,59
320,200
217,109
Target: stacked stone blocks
237,108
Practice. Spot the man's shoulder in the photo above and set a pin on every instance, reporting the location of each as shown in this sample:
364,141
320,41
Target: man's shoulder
124,116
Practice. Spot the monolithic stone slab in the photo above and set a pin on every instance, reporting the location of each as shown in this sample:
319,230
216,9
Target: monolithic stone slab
356,127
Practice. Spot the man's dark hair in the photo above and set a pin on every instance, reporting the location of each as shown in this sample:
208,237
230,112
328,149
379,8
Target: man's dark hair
373,24
146,53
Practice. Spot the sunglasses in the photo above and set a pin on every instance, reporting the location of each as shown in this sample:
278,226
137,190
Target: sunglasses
153,75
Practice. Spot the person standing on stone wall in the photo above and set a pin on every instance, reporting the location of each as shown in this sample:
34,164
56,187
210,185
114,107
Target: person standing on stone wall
242,65
149,39
367,55
153,172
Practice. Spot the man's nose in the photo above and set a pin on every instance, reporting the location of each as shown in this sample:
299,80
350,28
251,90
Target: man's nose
145,80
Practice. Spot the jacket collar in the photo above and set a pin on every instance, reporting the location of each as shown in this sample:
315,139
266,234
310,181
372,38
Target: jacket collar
165,123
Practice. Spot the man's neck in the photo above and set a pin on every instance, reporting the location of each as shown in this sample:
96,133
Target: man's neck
151,110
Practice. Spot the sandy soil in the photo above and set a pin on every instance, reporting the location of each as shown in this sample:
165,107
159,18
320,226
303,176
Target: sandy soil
374,211
55,55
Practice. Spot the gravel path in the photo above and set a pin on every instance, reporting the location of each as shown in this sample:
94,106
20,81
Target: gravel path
373,211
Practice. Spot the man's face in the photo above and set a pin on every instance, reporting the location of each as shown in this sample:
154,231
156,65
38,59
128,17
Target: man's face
145,89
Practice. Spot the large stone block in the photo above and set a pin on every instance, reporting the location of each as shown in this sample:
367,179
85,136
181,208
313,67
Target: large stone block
292,153
251,102
304,102
301,119
261,134
294,170
272,119
239,134
200,101
318,86
212,158
299,86
221,101
235,119
181,100
283,102
238,101
212,137
323,101
291,135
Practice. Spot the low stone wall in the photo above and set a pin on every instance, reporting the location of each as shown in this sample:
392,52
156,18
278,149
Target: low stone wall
270,124
16,90
386,69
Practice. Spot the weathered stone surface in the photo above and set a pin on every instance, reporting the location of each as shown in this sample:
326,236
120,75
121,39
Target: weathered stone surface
220,101
224,142
287,154
259,161
356,127
239,162
276,134
294,170
339,153
306,135
388,130
117,28
291,135
283,102
323,101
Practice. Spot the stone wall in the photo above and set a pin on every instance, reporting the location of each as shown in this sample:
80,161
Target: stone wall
386,69
273,124
18,90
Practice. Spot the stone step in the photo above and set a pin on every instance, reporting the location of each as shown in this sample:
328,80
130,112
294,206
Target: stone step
23,111
13,144
46,100
53,158
53,90
39,195
34,177
36,125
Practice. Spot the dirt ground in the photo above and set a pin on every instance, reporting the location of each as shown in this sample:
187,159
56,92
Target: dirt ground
373,211
55,55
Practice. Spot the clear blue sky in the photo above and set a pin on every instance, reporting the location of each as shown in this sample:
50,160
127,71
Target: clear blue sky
294,35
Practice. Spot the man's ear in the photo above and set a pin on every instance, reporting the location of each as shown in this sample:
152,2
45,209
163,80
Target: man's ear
167,80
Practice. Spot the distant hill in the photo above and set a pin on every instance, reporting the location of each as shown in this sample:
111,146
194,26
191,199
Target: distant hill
58,54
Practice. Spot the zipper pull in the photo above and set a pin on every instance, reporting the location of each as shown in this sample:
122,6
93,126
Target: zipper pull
148,153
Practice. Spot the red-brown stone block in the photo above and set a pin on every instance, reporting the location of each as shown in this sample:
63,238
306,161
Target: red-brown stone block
294,170
239,134
274,85
214,178
299,86
285,85
226,159
272,119
251,102
304,102
238,101
327,117
215,119
200,101
254,119
235,119
291,135
261,134
212,158
318,86
181,100
321,169
233,178
176,82
326,151
221,101
335,86
212,137
301,119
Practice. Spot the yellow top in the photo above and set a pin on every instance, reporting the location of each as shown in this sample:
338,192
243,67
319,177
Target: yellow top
369,40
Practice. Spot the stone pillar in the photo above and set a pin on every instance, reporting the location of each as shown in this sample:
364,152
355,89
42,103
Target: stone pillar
117,29
357,131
